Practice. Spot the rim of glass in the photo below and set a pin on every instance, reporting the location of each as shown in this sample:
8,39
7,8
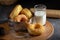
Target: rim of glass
37,6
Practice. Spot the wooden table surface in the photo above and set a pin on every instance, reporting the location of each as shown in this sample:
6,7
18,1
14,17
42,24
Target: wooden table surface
47,34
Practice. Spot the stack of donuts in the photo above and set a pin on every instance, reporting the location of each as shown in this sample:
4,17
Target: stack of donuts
20,14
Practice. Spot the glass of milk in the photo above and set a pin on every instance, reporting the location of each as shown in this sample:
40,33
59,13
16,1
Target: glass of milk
40,14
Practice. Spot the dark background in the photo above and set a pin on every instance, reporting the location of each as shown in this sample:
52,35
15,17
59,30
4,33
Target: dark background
51,4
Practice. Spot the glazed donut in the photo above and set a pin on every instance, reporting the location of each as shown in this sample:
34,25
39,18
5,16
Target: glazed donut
35,29
20,18
16,11
26,12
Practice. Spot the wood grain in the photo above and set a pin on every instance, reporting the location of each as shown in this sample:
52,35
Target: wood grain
49,30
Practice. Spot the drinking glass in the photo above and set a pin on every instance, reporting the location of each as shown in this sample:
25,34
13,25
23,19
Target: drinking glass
40,14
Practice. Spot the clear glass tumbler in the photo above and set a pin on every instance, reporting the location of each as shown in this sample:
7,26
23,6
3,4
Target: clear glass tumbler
40,14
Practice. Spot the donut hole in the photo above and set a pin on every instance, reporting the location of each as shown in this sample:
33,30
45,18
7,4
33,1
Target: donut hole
22,19
37,26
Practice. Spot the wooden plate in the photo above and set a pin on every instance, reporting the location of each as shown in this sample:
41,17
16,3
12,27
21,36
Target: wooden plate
49,30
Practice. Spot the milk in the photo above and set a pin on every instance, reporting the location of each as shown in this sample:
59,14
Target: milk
40,17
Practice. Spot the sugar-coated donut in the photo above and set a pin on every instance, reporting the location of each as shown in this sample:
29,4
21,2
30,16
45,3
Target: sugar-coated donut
20,18
35,29
16,11
26,12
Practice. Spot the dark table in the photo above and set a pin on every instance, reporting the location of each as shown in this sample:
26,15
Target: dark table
5,11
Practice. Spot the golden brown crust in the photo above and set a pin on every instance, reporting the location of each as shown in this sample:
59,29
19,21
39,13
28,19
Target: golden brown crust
26,12
16,11
20,18
35,29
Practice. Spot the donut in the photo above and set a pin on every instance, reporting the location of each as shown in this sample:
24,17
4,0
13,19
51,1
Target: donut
16,11
35,29
26,12
20,18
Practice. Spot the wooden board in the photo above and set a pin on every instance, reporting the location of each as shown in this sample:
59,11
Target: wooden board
49,30
50,13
